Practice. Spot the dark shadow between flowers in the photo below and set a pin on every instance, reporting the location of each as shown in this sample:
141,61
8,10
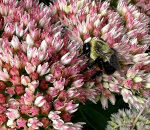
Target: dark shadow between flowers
95,116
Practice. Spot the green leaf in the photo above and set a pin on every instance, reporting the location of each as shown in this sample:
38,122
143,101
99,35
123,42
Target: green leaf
94,118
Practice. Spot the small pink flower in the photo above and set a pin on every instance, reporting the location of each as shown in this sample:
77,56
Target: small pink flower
29,40
67,58
39,101
59,84
16,80
50,78
33,85
52,91
19,90
70,107
3,118
59,104
54,115
43,85
57,124
19,30
2,86
46,108
28,97
25,80
14,71
43,69
15,42
34,111
35,34
4,76
34,76
77,83
128,83
45,122
126,94
2,109
13,104
11,91
12,114
66,116
30,68
34,123
2,98
21,122
24,109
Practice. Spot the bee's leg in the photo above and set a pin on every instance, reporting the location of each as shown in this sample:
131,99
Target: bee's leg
100,64
90,65
98,73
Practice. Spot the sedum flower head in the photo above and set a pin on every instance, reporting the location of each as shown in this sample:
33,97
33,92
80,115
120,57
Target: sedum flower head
124,29
123,120
143,5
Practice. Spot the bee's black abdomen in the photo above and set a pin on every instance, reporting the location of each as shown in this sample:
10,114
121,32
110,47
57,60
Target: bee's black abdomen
96,74
114,61
109,69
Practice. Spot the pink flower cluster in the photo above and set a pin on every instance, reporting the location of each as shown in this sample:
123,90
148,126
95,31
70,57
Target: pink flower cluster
144,6
41,69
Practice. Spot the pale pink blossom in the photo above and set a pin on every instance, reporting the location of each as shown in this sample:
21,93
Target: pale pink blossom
33,85
59,84
39,101
13,104
25,80
30,68
29,40
21,122
70,107
12,114
34,123
15,42
43,69
57,124
4,76
11,123
54,115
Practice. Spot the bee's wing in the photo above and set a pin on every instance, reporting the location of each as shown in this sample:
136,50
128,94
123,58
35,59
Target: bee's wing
114,61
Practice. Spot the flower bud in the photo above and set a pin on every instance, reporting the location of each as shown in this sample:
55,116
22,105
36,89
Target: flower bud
12,114
45,122
29,40
19,90
15,80
46,108
39,101
25,80
104,102
2,86
30,68
34,76
15,42
66,116
43,85
3,118
2,98
14,71
137,79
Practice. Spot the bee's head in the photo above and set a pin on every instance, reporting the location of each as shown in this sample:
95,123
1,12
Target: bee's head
86,49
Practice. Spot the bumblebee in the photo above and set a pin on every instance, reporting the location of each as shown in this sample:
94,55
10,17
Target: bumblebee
101,54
